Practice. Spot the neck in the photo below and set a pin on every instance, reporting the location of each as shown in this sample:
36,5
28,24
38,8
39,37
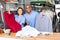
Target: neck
20,15
29,13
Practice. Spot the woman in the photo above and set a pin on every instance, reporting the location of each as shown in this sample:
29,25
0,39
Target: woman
11,22
20,18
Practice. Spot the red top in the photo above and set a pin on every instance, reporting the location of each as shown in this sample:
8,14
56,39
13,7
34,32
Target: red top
11,23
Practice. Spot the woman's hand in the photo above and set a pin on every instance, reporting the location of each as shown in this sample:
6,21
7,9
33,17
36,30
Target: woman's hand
9,10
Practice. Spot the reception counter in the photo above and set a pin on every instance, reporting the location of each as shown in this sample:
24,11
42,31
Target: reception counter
54,36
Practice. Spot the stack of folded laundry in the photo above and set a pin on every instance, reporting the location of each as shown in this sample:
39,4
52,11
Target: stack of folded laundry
28,31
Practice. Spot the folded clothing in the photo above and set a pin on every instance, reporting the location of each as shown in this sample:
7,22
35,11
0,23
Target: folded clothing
28,31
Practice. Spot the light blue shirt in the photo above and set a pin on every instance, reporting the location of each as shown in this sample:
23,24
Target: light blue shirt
20,19
31,18
44,23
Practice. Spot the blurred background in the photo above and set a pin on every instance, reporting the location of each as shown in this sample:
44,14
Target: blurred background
52,5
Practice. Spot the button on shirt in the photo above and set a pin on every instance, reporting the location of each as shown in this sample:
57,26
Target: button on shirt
43,23
31,18
20,19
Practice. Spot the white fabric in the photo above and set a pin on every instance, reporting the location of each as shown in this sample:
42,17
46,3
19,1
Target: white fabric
43,33
50,13
28,31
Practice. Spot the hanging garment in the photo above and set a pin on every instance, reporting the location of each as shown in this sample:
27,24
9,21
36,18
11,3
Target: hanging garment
11,23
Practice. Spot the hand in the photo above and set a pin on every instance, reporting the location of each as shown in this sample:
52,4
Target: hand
27,22
20,23
8,9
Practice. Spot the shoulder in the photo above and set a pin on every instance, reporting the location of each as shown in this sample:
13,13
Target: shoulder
34,11
48,16
25,13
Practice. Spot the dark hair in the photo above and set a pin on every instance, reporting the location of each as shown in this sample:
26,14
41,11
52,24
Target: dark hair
22,10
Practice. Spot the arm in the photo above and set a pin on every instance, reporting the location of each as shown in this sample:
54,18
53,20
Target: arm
27,22
9,10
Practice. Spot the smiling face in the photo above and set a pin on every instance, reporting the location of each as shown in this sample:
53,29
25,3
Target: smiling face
28,8
20,12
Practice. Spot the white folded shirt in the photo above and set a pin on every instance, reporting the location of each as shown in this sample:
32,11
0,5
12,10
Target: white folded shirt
28,31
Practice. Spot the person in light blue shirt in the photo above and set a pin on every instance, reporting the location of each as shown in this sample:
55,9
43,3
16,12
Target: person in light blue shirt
43,22
20,18
30,16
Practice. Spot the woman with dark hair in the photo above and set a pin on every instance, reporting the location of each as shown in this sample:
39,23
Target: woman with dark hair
11,22
20,18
